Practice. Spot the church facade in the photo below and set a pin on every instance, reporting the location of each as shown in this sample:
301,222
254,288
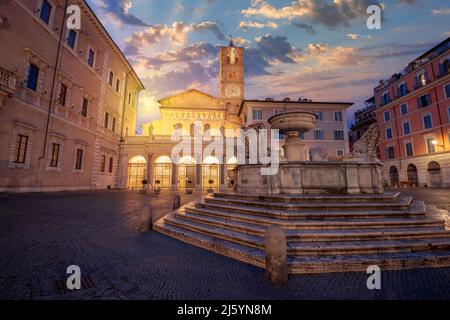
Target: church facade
149,156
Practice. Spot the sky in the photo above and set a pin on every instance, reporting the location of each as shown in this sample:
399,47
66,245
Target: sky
320,50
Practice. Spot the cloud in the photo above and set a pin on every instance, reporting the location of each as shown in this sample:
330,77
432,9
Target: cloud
192,53
306,27
330,14
176,33
258,25
355,36
441,11
118,10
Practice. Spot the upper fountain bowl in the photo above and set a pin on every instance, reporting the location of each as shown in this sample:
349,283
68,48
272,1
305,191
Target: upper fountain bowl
294,121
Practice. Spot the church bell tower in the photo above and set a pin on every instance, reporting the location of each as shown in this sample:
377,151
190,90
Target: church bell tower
232,76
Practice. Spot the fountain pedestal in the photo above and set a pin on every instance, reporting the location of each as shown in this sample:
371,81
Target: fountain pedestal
294,148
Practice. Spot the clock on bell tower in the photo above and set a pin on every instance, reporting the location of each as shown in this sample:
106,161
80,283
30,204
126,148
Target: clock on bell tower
232,76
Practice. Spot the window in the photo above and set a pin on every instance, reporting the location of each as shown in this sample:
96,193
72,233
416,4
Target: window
278,111
409,149
404,109
338,116
110,168
62,94
406,128
385,98
257,114
84,109
45,11
444,67
427,122
431,147
421,80
387,116
105,124
339,135
113,124
21,149
71,38
390,152
55,155
339,153
319,115
389,133
79,162
401,90
103,163
424,101
91,58
447,91
111,78
33,75
319,135
117,85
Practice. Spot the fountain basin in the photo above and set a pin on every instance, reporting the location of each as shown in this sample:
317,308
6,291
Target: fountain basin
293,121
313,177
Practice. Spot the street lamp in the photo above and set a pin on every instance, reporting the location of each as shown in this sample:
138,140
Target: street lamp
435,143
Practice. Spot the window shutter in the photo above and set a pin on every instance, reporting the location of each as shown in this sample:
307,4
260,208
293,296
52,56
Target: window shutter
417,82
426,77
441,69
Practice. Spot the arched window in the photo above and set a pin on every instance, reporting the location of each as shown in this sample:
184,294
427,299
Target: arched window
192,130
207,131
228,60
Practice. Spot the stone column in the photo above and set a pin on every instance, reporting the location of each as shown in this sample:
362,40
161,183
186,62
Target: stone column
122,174
223,175
150,170
276,255
174,177
198,176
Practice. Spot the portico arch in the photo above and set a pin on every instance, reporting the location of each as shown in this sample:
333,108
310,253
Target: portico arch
413,176
210,173
186,172
137,167
163,172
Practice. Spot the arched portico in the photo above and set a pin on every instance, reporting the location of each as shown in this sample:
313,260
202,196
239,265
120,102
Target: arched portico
137,171
434,174
163,172
210,173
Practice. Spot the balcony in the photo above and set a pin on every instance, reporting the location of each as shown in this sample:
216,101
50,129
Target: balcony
7,82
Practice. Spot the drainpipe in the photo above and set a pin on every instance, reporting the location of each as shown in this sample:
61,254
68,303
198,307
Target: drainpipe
438,109
124,105
50,104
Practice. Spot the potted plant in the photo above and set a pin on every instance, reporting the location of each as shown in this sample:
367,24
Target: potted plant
211,182
157,187
144,184
188,186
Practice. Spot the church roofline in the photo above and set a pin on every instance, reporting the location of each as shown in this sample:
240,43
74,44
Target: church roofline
187,91
348,104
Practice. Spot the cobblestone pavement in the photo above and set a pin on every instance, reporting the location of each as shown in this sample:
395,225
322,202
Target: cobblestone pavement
42,234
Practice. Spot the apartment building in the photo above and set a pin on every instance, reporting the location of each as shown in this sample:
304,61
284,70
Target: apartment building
331,131
413,112
67,99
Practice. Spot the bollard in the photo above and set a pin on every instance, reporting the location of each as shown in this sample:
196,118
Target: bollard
147,219
276,255
176,203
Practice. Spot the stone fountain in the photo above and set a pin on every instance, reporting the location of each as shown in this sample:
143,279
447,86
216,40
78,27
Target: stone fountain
333,211
352,174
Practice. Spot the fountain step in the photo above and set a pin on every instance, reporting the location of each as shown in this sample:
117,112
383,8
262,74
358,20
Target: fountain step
365,247
416,209
402,203
229,249
323,198
253,235
319,224
313,263
360,262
